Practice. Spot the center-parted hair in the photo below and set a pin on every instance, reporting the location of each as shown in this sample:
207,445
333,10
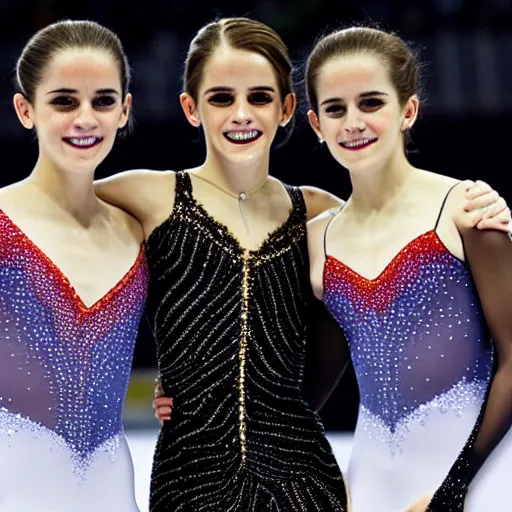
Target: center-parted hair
241,34
65,35
400,60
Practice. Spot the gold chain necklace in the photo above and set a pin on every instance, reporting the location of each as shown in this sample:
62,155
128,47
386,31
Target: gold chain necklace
242,196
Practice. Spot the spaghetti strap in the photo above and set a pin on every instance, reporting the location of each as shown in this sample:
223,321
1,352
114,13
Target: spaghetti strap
443,204
297,199
333,212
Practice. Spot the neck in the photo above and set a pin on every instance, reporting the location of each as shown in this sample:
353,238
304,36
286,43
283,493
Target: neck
72,192
379,190
235,178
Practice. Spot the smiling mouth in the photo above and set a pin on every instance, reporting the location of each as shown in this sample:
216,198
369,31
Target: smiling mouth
355,145
243,137
82,142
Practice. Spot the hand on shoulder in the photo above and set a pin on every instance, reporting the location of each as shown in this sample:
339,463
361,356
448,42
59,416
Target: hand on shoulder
478,205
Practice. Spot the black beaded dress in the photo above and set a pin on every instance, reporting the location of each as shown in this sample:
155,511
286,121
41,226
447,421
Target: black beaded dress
230,331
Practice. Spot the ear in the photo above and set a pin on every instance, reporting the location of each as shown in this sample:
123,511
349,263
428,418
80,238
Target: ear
24,110
410,113
189,107
289,105
125,114
315,124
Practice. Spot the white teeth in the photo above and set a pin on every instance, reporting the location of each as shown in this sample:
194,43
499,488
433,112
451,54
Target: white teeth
356,143
83,142
242,135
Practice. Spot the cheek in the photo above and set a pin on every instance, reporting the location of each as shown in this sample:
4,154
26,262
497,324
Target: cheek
112,123
211,121
329,128
277,112
382,122
50,128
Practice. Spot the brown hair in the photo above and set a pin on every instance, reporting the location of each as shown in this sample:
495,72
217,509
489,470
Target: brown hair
241,34
63,35
400,60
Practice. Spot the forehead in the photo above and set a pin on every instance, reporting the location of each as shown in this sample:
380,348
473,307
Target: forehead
350,75
79,68
239,69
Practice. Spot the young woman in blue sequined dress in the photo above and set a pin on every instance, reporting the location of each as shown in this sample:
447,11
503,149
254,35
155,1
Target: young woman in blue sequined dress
73,282
423,299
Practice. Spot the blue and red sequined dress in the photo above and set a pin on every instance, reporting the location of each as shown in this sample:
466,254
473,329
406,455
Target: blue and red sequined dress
423,359
64,370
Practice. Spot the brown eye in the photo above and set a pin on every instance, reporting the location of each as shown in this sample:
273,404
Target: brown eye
260,98
221,98
104,101
64,102
371,103
335,110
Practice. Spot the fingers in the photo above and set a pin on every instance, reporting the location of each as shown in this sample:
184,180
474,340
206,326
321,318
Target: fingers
469,184
475,189
163,408
162,401
483,200
163,414
483,185
495,208
500,222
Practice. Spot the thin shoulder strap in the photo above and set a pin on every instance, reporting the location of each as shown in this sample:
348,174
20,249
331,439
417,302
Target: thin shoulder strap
297,198
443,204
183,187
333,212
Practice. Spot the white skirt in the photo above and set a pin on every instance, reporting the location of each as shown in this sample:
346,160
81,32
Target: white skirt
40,472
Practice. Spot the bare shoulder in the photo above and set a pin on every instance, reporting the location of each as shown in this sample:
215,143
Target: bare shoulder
316,227
438,186
316,233
18,197
447,196
13,191
318,200
454,209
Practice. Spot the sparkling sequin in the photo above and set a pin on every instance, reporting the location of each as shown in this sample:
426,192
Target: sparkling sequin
420,348
230,336
64,367
243,353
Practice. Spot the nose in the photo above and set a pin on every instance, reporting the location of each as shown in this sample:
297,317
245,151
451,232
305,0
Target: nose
85,119
243,113
353,122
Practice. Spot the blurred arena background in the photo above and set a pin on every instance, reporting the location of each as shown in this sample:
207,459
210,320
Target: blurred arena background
464,130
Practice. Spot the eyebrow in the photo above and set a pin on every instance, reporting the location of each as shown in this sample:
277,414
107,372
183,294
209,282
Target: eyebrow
64,90
362,95
231,89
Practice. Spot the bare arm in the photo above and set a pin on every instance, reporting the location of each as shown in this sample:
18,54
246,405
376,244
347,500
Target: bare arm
147,195
319,201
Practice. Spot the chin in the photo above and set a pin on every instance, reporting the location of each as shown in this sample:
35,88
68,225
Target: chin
364,164
83,165
248,156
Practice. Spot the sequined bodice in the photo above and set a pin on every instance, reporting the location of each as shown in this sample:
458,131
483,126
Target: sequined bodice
416,332
64,367
230,333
